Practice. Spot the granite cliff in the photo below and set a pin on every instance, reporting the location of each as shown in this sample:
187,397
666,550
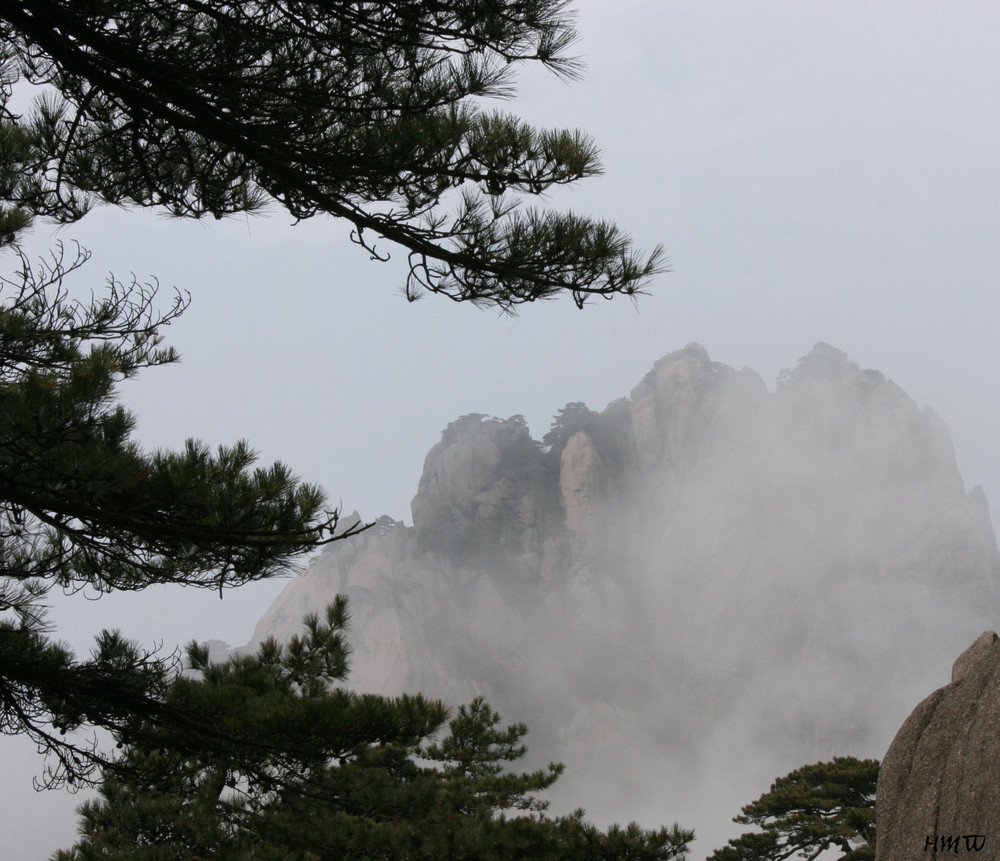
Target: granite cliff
937,786
685,595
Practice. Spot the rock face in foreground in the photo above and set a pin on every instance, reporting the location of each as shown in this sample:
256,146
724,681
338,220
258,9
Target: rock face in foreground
686,595
939,784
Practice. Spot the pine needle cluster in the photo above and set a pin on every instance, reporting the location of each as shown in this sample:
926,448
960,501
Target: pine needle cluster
374,113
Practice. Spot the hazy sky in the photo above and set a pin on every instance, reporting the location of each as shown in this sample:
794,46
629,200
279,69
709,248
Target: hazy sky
817,171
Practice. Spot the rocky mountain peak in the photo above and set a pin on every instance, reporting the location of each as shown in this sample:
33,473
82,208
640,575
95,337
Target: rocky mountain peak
698,588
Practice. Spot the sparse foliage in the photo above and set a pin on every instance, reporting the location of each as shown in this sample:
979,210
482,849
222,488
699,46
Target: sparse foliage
370,112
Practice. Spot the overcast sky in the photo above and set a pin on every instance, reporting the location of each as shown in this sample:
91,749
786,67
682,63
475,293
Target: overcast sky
817,172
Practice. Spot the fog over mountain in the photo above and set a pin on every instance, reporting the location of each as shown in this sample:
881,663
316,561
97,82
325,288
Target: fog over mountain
686,595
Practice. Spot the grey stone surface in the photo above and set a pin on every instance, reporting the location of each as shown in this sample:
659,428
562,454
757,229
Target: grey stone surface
939,783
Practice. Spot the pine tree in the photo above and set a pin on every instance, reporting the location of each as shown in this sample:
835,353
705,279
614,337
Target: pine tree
828,805
371,112
83,507
336,775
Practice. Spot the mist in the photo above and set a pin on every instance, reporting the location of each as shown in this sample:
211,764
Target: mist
686,595
817,172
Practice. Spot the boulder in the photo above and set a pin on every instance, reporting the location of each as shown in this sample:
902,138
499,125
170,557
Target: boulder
939,783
